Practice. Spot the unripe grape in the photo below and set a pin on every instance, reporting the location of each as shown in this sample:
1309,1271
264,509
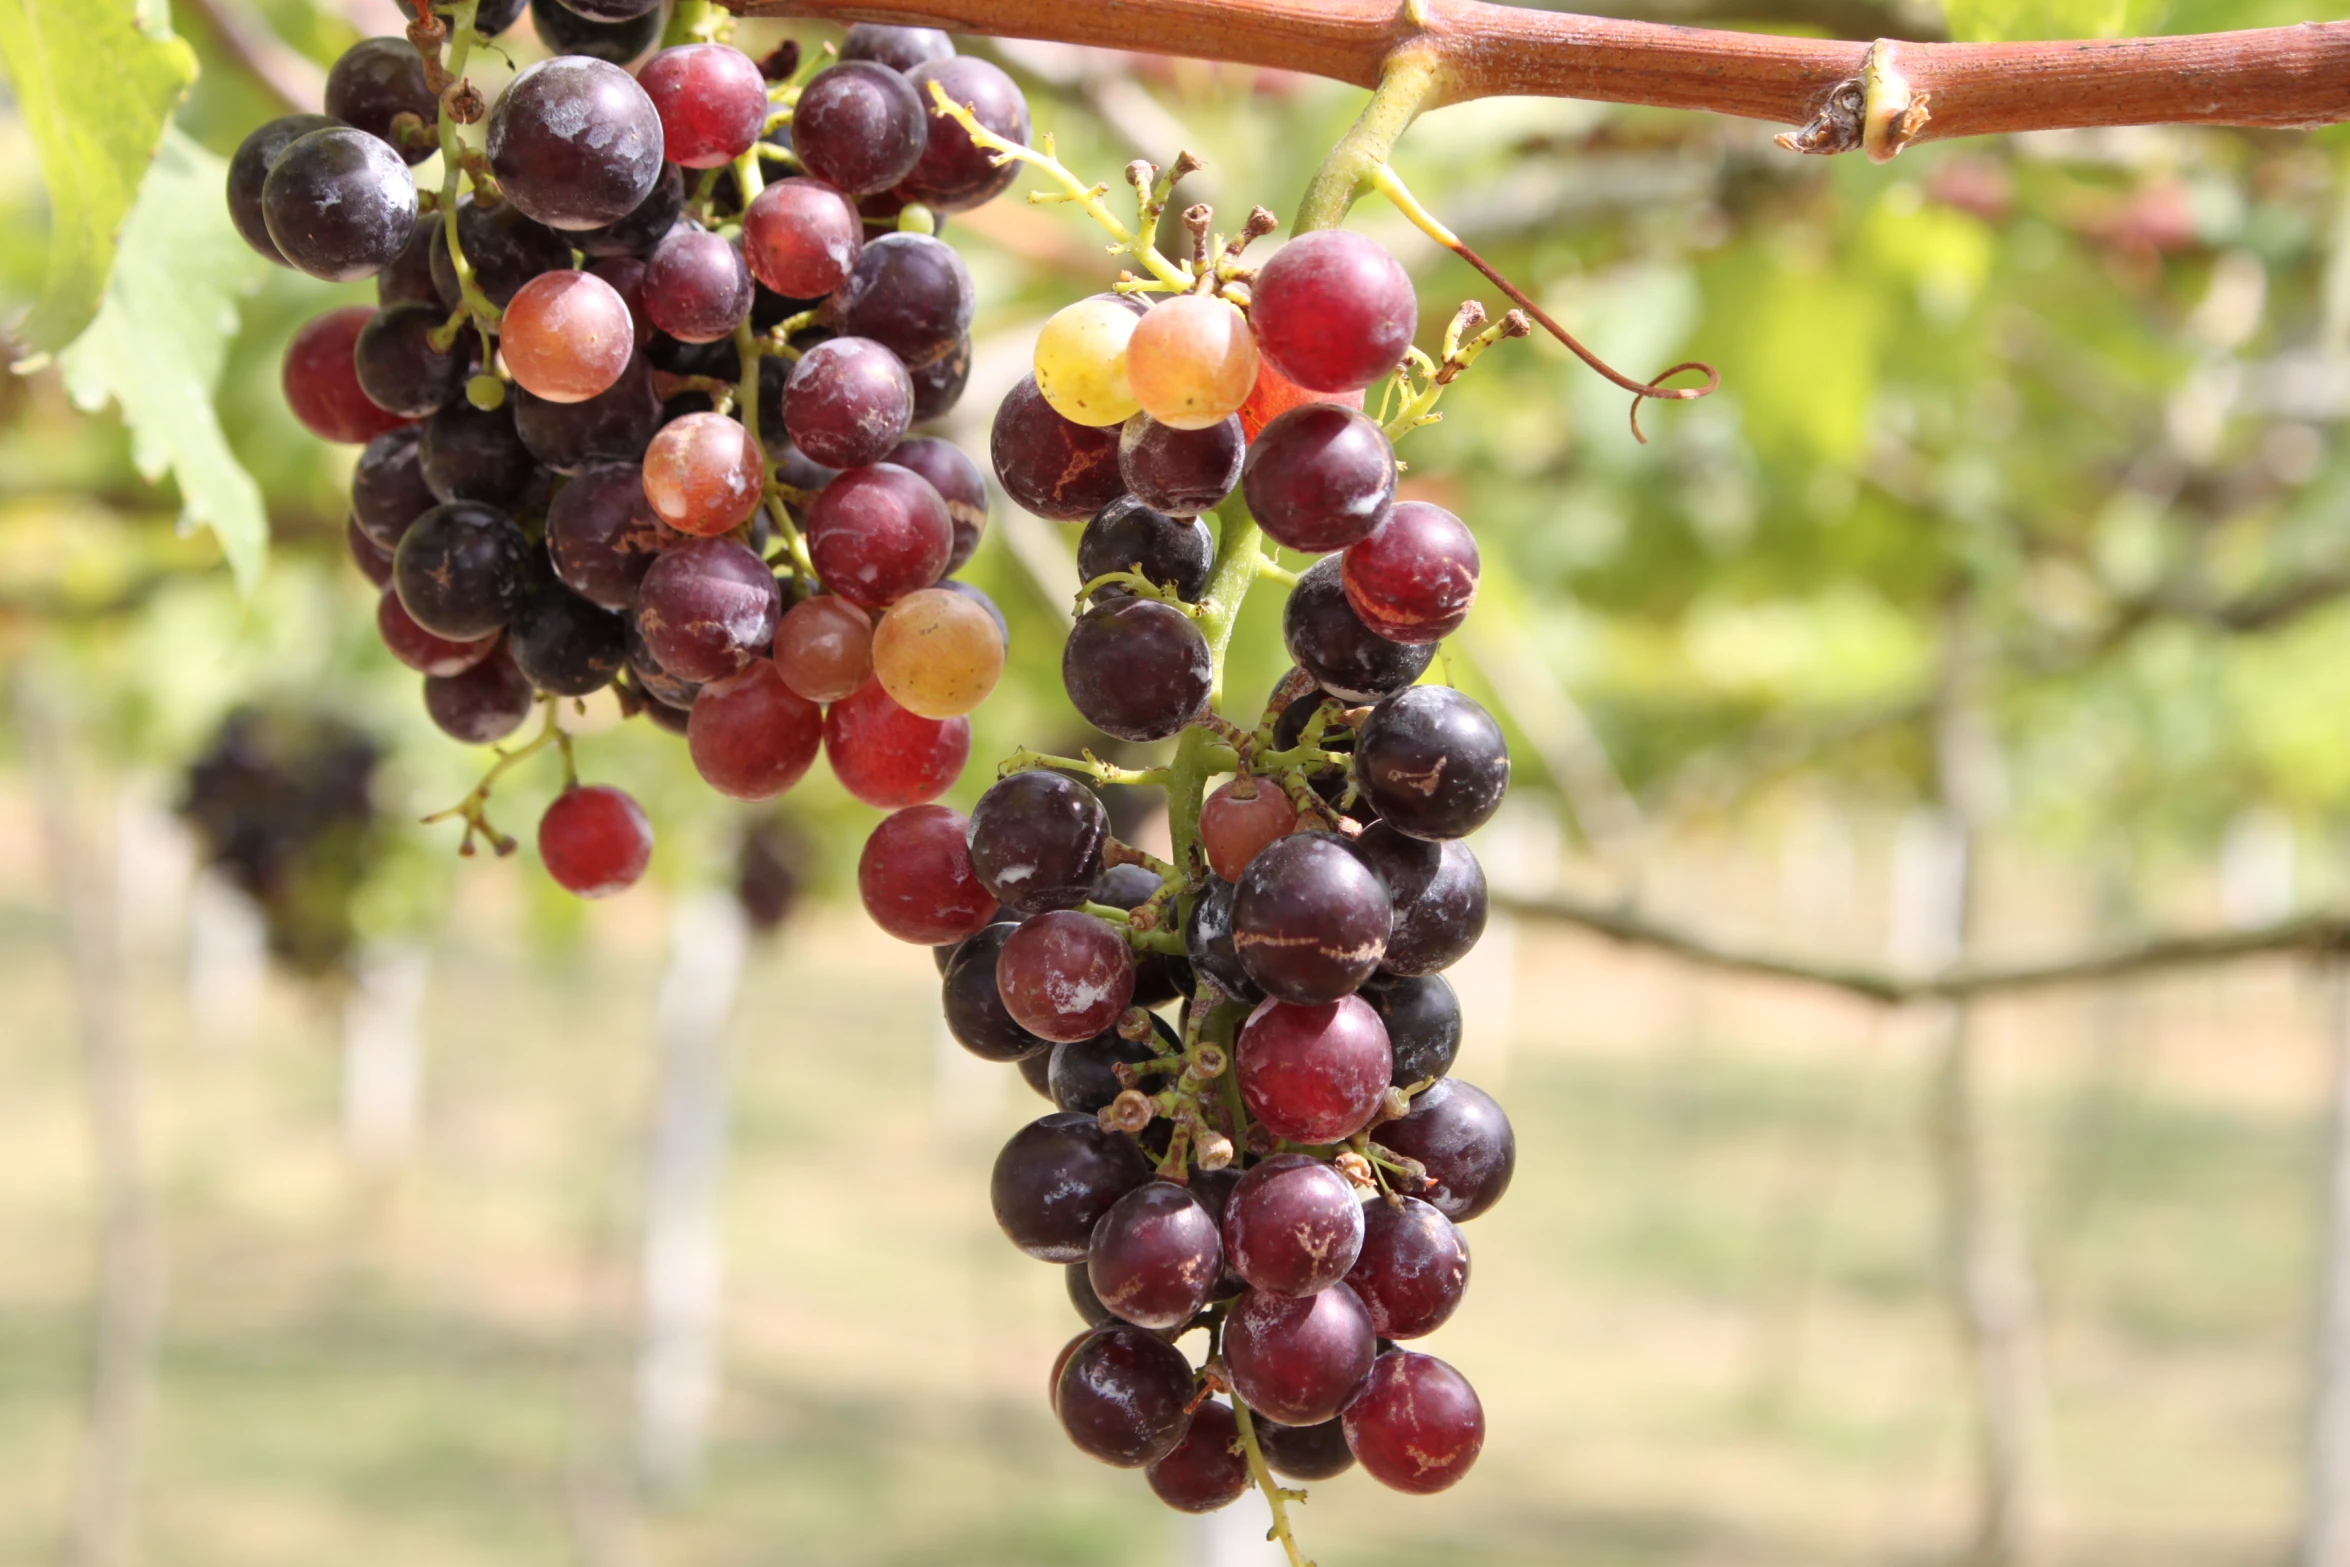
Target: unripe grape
937,653
1192,361
703,474
1081,362
824,648
567,336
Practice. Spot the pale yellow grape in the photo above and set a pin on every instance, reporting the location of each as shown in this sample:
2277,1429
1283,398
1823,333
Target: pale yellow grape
1192,362
1081,362
937,653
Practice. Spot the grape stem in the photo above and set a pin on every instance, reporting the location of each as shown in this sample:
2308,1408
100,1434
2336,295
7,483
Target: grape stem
748,347
471,300
1089,765
473,810
1277,1496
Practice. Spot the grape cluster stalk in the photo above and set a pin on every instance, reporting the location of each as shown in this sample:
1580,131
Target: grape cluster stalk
638,400
1256,1144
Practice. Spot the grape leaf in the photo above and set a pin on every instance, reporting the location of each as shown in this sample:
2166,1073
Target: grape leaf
1995,21
160,339
95,81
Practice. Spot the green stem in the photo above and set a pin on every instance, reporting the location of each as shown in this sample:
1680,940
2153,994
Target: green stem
1412,78
474,302
1276,1496
1238,550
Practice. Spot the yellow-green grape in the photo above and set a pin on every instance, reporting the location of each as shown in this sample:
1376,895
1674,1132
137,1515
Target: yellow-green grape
1192,361
1081,361
937,653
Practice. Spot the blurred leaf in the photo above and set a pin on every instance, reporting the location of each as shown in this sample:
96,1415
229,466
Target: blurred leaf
159,342
95,81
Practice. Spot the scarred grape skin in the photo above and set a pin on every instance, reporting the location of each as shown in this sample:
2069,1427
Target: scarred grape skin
1068,975
1037,838
376,80
707,608
801,237
1179,472
482,705
1298,1359
1293,1225
959,483
888,757
1049,465
1433,762
1320,478
697,287
914,877
1057,1176
1206,1470
1137,668
703,474
1314,1074
603,534
954,173
1333,310
1461,1136
1154,1258
937,653
939,385
974,1008
1413,1268
1080,361
1240,819
575,142
1124,1397
320,379
847,402
750,736
1417,1425
567,336
1316,1452
340,204
1192,361
1413,578
876,534
419,649
911,294
711,100
1309,919
1329,641
824,648
859,127
595,841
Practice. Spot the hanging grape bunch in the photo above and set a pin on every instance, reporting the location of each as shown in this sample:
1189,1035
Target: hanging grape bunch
635,415
1276,1170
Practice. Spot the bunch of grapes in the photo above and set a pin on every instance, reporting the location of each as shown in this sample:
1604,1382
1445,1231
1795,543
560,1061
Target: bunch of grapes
1255,1143
636,416
281,803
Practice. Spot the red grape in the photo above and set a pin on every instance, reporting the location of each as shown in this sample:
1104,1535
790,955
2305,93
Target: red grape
567,336
1240,819
1461,1136
1056,1177
801,237
750,736
703,474
707,608
824,648
915,877
321,379
1154,1257
1413,577
1292,1225
419,649
1314,1074
877,534
1125,1397
1333,310
1319,478
1207,1469
712,102
888,757
954,172
1068,975
1329,641
1433,762
1309,919
1413,1268
1049,465
595,841
1417,1426
1274,395
847,402
575,142
1297,1359
697,287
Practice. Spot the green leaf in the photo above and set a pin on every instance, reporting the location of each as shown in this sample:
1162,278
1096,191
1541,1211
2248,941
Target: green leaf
96,81
1995,21
160,339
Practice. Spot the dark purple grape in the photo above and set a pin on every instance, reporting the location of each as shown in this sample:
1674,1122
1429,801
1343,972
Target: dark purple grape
1309,919
1036,1071
339,204
938,385
954,173
1422,1017
1319,477
959,483
1081,1295
1037,839
859,127
657,682
615,425
696,287
248,172
495,16
1159,977
375,81
563,644
1317,1452
1413,1268
504,248
1438,890
459,570
899,48
1056,1177
1155,1256
400,370
1433,762
1298,1359
1137,668
1461,1136
602,536
1127,535
372,559
1179,472
975,1010
474,454
1329,641
409,278
1417,1426
1207,1470
575,143
1049,465
611,10
647,226
483,705
1292,1225
707,608
908,292
848,402
1207,941
1124,1397
1083,1073
388,491
565,31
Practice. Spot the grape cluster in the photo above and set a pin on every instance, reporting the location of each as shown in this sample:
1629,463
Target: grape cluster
1282,1162
635,417
281,802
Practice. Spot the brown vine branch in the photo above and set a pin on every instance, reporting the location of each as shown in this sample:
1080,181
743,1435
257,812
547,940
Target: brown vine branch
2288,77
2313,935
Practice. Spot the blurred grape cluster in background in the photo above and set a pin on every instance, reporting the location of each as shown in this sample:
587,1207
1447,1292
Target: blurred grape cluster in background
1997,608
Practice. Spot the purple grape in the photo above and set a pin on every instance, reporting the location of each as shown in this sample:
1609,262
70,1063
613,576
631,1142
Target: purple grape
1309,919
1127,535
1329,641
339,204
1036,841
248,173
459,570
954,172
899,48
1056,1177
1432,762
1319,477
388,491
1461,1136
1137,668
645,227
615,425
575,143
483,705
375,81
1438,890
859,127
848,402
1049,465
1293,1225
1180,472
409,277
975,1008
1413,1268
1154,1257
1316,1452
474,454
565,31
1124,1396
504,248
602,536
1422,1017
938,385
696,287
400,370
1298,1359
908,292
959,483
564,645
707,608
